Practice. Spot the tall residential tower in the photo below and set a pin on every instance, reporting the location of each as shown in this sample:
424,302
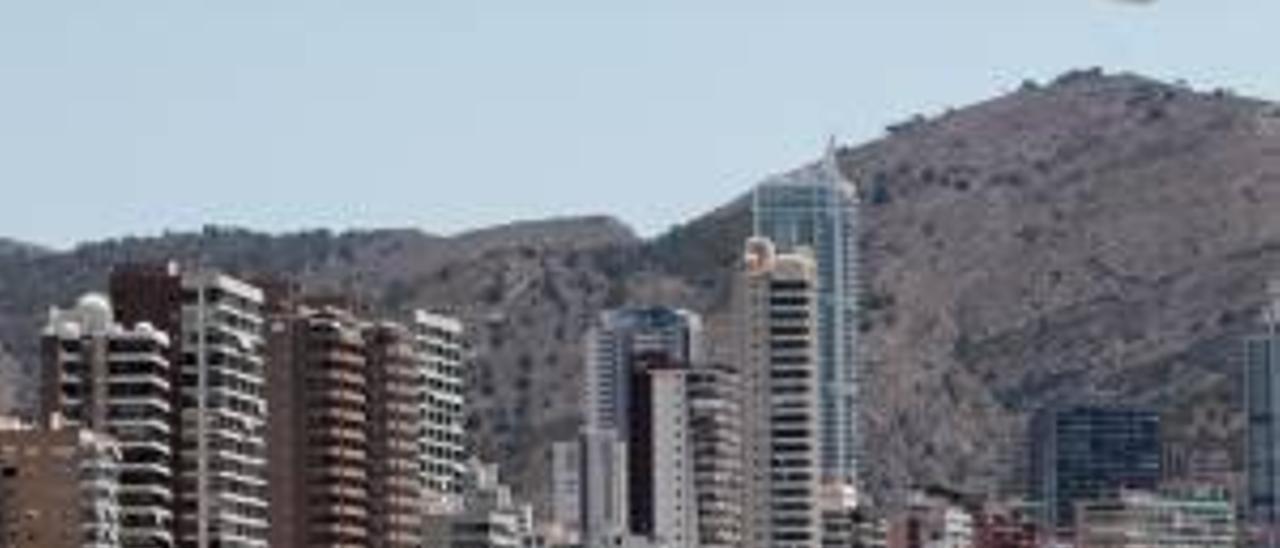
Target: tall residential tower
115,380
780,328
816,208
215,322
438,344
636,456
318,425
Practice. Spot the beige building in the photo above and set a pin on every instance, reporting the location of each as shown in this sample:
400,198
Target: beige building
778,328
715,437
59,487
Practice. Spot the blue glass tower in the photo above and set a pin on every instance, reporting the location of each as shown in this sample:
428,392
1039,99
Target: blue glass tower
817,208
1085,452
1262,409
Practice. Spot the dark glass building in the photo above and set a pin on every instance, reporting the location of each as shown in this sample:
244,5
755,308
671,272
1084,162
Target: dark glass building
1262,406
1086,452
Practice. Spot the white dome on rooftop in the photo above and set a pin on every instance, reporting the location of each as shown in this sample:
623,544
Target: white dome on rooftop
95,311
95,302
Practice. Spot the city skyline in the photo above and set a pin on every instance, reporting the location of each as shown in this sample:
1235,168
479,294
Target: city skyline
453,106
836,275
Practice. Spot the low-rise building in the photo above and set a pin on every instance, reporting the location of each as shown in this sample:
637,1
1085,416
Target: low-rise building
935,518
488,517
59,487
1005,525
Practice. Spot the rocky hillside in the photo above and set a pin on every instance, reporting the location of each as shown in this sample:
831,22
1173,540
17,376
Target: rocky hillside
1100,236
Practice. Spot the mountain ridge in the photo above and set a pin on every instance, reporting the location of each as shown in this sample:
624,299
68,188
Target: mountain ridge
1098,233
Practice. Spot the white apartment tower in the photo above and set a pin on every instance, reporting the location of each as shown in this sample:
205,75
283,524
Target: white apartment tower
716,422
438,341
102,376
779,335
674,509
222,461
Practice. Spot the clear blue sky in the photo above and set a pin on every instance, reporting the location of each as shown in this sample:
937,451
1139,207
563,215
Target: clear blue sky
136,116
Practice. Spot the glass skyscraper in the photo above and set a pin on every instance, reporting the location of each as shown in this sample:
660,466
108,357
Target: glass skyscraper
1262,403
817,208
1086,452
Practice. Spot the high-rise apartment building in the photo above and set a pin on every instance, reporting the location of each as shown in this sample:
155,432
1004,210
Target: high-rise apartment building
348,420
661,489
1086,452
1262,431
636,404
780,321
616,341
397,384
102,376
715,434
216,326
59,486
438,341
318,427
816,208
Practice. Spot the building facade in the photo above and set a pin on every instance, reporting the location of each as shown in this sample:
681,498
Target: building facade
662,492
318,427
614,343
933,519
488,517
1166,519
59,487
1010,525
715,422
780,329
847,524
637,413
816,208
1090,451
99,375
397,386
566,492
216,326
438,342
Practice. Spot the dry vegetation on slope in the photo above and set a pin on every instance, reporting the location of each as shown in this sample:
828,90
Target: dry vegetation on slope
1097,235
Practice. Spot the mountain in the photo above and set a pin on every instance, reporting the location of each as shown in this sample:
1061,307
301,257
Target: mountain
1098,236
14,248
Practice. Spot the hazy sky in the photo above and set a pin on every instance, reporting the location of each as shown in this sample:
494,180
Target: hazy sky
135,116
